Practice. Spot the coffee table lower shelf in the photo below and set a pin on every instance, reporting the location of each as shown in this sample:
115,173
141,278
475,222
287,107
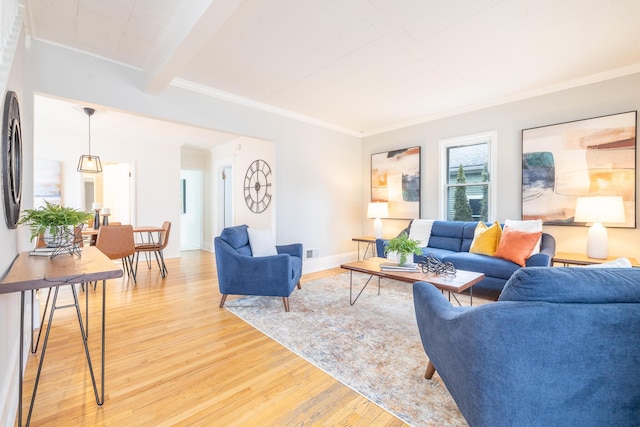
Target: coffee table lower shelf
461,281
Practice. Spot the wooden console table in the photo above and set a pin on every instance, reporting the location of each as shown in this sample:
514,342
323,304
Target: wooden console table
371,245
568,258
28,273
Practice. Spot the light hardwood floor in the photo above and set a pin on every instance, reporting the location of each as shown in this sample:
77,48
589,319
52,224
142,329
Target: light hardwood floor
175,358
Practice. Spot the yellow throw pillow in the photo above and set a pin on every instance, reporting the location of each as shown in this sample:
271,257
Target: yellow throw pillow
485,239
516,246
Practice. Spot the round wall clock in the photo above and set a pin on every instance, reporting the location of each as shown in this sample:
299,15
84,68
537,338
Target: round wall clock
257,186
11,159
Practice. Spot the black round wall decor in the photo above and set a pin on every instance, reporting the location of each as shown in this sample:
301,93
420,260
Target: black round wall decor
11,159
257,186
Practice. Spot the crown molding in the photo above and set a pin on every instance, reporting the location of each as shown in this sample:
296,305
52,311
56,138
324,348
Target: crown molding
582,81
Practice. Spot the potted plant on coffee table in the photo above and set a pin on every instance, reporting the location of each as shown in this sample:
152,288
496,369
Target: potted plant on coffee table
403,246
55,223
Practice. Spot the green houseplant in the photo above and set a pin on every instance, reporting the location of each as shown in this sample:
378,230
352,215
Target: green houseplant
404,246
52,220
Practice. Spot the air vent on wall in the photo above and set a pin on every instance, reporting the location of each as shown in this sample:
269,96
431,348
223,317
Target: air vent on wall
311,253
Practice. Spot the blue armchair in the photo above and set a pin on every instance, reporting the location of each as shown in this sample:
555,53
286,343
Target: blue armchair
560,347
240,273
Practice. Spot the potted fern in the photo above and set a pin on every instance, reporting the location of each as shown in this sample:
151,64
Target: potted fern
403,246
54,222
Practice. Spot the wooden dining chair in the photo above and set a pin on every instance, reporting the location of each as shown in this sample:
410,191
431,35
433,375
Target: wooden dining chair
156,248
116,242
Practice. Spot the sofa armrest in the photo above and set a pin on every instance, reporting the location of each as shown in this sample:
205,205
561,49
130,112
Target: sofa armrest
293,249
380,245
547,251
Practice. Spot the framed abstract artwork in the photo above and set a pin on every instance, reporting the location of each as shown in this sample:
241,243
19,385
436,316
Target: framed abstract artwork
583,158
395,179
47,182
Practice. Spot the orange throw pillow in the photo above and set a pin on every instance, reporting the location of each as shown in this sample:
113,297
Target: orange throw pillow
516,246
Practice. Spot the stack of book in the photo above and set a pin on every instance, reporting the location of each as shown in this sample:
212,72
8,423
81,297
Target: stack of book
44,251
393,266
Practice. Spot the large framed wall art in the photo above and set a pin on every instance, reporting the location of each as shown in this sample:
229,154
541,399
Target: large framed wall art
590,157
395,179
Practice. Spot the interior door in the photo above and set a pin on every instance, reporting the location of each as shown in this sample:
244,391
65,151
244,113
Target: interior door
191,217
116,191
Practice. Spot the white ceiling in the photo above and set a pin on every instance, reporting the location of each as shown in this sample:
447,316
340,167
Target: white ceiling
359,65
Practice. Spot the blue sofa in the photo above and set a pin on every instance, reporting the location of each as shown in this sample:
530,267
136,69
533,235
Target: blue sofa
450,241
561,347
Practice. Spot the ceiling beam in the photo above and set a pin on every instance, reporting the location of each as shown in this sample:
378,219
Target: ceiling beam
191,28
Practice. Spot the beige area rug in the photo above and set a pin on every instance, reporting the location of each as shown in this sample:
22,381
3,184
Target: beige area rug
373,347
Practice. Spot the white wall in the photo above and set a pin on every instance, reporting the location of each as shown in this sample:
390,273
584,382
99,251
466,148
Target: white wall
603,98
156,174
11,242
318,171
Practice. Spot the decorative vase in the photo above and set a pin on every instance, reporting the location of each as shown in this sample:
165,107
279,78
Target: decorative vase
405,259
62,237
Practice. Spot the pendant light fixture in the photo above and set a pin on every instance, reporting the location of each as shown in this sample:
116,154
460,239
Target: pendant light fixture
87,162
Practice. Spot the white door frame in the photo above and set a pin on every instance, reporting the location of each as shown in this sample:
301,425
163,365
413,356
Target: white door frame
219,194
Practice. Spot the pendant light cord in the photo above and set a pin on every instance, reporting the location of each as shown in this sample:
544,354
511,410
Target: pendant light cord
89,112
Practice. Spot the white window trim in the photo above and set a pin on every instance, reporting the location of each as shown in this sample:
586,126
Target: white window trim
446,143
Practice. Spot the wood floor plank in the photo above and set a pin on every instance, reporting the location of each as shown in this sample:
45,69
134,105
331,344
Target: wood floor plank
175,358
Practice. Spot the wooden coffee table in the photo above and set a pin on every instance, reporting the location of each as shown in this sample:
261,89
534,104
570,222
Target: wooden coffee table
371,266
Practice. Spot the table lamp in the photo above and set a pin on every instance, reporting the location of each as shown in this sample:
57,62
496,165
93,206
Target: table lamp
378,210
597,210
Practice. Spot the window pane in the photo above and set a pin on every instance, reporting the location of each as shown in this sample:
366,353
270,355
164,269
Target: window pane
472,158
476,197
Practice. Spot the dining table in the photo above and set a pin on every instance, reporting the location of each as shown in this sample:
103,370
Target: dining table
151,232
143,235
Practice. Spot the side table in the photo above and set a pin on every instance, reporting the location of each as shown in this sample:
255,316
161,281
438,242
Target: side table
568,258
371,246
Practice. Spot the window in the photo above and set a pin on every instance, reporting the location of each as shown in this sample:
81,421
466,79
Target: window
467,178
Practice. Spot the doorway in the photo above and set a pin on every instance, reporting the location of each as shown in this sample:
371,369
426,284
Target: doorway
113,189
191,193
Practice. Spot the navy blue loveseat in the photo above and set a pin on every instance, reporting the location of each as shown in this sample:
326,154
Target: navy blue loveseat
450,241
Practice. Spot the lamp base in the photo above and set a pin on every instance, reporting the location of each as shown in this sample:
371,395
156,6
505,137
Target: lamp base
597,242
377,228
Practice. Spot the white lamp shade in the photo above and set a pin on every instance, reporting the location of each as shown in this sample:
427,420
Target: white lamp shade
378,210
608,209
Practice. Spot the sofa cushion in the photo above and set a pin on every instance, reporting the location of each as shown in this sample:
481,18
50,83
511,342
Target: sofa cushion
468,233
574,285
490,266
516,245
238,238
440,253
486,239
447,235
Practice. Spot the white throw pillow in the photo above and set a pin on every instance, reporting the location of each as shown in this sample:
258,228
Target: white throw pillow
261,242
530,225
421,231
616,263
